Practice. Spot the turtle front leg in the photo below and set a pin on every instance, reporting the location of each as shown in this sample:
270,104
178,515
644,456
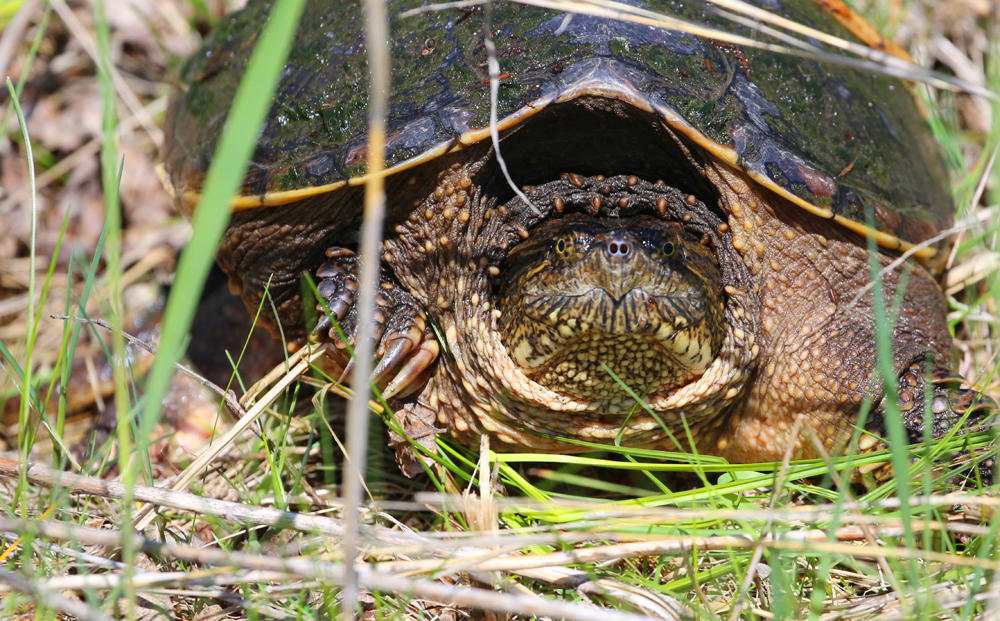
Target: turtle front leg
935,398
399,324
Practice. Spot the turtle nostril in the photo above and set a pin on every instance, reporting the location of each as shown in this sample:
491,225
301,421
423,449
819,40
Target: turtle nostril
619,249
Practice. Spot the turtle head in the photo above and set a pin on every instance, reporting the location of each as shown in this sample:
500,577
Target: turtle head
638,296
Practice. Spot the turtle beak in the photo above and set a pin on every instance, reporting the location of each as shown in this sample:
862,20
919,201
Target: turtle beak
617,253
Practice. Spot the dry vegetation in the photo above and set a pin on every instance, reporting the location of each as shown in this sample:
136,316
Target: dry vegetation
251,529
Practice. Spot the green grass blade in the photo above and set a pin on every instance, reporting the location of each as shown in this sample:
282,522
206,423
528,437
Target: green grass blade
26,388
42,27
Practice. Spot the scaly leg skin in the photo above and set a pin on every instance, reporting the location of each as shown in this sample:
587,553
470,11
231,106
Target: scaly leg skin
399,325
948,403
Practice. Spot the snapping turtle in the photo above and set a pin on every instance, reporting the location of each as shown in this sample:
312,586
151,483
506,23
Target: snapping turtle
692,229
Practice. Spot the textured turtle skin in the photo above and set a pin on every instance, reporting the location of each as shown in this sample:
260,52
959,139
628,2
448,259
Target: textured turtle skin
732,143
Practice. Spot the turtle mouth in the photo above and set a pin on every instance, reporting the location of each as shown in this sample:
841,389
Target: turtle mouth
615,297
598,310
586,346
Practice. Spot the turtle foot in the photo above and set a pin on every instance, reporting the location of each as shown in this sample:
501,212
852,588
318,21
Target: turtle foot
400,332
338,286
931,405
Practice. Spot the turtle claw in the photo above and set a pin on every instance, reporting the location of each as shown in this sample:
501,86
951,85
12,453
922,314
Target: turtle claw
410,377
347,370
399,325
409,342
323,325
943,376
393,356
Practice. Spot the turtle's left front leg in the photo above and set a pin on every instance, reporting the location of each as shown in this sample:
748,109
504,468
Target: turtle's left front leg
934,396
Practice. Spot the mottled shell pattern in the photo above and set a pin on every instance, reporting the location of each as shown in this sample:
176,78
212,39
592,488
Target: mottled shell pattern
843,143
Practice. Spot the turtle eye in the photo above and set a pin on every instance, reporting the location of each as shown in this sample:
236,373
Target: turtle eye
566,248
667,248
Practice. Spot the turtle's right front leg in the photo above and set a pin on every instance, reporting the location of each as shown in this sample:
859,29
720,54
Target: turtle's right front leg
404,341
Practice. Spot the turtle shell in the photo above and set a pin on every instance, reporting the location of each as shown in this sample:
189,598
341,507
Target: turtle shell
845,144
